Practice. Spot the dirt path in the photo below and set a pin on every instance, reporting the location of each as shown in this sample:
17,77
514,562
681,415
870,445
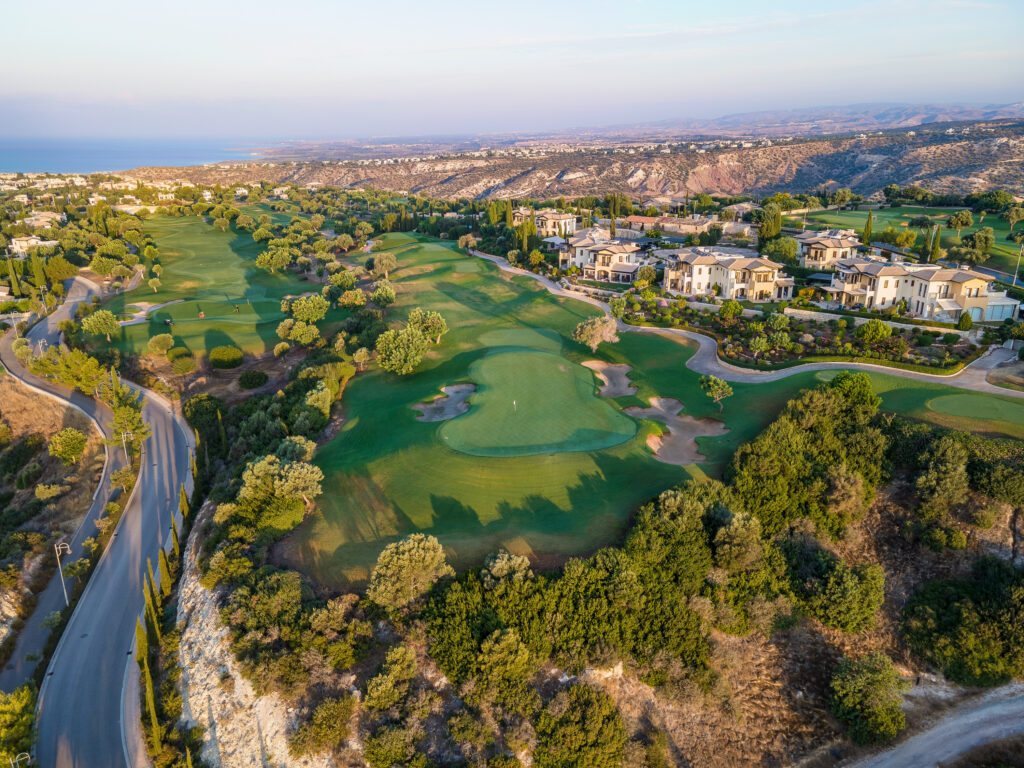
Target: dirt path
995,716
615,378
447,406
679,446
705,360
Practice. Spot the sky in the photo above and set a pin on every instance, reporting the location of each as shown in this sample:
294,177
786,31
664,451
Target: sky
322,69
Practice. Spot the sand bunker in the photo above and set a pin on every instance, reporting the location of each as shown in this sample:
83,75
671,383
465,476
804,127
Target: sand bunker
447,406
679,446
615,378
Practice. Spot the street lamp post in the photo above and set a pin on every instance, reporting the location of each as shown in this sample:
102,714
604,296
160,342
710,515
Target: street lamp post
16,760
1017,269
125,437
62,549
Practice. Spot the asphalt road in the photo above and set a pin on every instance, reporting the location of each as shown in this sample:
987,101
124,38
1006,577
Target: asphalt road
81,721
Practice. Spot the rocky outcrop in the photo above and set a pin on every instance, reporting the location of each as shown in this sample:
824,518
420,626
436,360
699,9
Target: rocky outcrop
242,730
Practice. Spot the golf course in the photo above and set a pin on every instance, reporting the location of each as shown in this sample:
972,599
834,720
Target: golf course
1002,255
210,272
540,463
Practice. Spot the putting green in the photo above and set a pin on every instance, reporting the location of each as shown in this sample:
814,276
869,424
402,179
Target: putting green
530,402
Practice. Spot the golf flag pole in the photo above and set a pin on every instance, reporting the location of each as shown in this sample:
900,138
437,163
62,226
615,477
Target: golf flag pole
515,408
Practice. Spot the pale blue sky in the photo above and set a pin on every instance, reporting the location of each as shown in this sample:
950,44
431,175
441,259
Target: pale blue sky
323,68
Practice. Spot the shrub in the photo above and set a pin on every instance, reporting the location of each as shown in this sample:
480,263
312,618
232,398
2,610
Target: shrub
985,517
28,475
183,365
160,344
950,339
175,352
252,379
17,456
281,349
68,445
326,729
226,357
866,696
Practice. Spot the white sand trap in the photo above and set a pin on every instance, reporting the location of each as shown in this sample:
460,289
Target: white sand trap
447,406
615,378
679,446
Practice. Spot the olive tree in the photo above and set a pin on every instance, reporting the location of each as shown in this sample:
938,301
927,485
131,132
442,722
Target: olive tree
594,330
431,324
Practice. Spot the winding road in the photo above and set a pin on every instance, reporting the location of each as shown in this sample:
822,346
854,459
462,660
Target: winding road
85,717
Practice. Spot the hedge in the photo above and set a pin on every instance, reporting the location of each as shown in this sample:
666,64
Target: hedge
226,357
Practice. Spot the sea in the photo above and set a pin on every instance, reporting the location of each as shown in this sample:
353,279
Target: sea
56,155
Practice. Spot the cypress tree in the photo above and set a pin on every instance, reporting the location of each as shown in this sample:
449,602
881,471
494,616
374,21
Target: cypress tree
936,245
866,237
141,642
38,275
15,285
508,214
188,758
155,733
150,612
192,464
157,603
223,435
175,541
183,502
165,574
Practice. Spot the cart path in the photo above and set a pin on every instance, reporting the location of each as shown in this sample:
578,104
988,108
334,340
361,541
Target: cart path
706,361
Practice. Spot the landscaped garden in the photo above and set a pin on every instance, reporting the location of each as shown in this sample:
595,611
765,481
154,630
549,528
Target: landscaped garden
540,463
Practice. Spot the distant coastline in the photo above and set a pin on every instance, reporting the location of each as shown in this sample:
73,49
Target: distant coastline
67,155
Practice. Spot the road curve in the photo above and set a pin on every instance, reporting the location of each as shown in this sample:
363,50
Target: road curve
998,715
706,360
81,719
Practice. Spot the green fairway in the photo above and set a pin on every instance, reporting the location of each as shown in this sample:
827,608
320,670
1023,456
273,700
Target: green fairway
388,474
212,272
534,402
1002,255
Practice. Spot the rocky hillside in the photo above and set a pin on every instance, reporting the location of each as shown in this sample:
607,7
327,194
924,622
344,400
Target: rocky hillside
972,157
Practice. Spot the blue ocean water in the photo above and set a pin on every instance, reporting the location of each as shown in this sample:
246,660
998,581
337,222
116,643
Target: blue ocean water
56,155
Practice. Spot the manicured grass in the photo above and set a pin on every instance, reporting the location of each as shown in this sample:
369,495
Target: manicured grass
388,475
528,401
1002,255
211,272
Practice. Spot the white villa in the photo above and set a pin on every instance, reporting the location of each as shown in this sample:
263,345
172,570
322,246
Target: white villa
821,250
20,246
44,219
732,273
600,257
931,292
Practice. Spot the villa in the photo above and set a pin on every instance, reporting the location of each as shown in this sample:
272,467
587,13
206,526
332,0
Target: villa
44,219
821,250
600,257
20,246
732,273
550,223
927,291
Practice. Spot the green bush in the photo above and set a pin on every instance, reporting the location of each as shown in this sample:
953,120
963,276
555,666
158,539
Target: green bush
183,365
175,352
866,696
17,456
252,379
28,476
326,729
226,357
281,349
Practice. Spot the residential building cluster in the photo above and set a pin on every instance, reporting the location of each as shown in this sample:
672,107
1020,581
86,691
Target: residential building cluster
731,273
